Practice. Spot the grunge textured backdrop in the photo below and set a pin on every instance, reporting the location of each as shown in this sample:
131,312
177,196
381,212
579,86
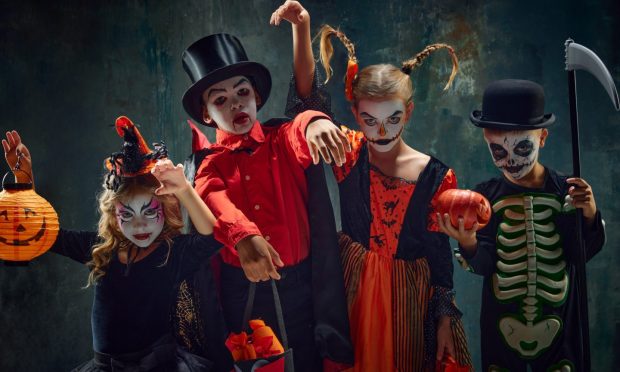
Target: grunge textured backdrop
68,68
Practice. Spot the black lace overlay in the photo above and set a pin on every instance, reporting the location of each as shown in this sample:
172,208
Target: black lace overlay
318,100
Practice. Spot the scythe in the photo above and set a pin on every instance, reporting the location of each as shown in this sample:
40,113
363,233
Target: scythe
579,57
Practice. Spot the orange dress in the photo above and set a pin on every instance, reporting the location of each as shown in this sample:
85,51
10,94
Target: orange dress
388,297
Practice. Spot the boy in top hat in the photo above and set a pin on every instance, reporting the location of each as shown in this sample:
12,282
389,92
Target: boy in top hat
527,252
271,203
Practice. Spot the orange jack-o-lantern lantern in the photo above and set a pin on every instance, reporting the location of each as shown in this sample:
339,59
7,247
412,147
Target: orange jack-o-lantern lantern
465,204
28,223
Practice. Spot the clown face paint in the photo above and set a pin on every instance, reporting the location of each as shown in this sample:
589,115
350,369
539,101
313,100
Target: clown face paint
514,152
382,122
231,103
140,218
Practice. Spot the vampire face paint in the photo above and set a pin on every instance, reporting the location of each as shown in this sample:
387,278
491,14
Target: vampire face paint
382,122
231,103
514,152
140,219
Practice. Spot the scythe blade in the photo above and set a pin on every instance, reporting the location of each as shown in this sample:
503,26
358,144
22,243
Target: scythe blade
579,57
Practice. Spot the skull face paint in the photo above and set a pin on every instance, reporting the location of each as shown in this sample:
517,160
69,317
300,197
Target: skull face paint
140,218
514,152
382,122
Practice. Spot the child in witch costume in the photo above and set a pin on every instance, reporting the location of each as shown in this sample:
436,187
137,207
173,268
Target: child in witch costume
138,255
398,267
527,251
270,202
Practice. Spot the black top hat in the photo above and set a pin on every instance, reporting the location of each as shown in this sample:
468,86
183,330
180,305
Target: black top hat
215,58
512,105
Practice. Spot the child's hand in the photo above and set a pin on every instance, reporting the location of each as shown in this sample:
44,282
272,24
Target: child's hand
172,178
291,11
325,138
581,196
16,152
445,342
466,238
257,258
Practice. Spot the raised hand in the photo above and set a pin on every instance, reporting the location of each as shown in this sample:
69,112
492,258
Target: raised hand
257,258
17,156
171,177
291,11
327,140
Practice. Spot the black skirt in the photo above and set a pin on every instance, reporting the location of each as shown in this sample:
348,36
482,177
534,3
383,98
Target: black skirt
164,355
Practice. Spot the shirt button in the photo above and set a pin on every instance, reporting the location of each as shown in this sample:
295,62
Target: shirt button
267,238
247,178
257,207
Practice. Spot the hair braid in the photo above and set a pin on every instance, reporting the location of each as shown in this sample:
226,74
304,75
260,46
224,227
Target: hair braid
327,50
416,61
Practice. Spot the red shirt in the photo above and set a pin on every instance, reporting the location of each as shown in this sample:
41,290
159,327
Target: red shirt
255,184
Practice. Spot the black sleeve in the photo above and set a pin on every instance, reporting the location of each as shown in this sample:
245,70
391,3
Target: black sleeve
440,261
594,236
76,245
318,100
192,250
482,261
442,270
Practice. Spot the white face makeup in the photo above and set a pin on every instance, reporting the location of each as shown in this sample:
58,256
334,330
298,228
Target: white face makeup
140,218
231,103
514,152
382,122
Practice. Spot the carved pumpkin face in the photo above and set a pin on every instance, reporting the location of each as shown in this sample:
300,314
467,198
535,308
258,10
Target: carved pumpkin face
467,204
28,225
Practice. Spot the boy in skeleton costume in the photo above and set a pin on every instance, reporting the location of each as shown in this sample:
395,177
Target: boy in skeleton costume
528,250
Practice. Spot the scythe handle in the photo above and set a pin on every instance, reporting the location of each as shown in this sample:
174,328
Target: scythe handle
582,290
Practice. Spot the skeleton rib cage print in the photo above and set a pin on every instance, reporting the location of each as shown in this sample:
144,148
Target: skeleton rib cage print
530,269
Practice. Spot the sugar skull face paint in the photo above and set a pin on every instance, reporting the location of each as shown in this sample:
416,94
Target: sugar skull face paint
231,103
382,122
140,219
514,152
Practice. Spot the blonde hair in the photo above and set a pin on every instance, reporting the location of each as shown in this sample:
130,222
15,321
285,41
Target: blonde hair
112,239
382,80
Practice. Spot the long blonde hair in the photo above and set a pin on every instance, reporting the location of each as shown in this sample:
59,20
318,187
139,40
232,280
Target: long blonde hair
112,239
381,80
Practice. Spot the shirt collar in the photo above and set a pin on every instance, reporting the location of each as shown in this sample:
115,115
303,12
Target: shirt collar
235,141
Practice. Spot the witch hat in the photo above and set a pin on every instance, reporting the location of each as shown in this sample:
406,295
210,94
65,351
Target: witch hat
135,158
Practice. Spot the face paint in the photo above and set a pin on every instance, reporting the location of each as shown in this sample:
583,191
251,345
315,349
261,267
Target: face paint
140,219
231,103
514,152
382,122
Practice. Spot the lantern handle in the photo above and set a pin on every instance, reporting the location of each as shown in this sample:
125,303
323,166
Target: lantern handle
16,169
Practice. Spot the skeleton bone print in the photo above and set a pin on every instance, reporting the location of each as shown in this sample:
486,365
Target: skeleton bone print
530,269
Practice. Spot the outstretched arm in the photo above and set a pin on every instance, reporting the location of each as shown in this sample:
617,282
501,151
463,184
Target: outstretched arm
173,181
303,58
18,157
257,257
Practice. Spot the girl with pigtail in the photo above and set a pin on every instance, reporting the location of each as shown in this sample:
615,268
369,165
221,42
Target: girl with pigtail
397,264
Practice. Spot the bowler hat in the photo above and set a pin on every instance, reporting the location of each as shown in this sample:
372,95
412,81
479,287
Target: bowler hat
215,58
512,105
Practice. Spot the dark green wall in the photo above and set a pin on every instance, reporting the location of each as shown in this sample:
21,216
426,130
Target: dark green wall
69,68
